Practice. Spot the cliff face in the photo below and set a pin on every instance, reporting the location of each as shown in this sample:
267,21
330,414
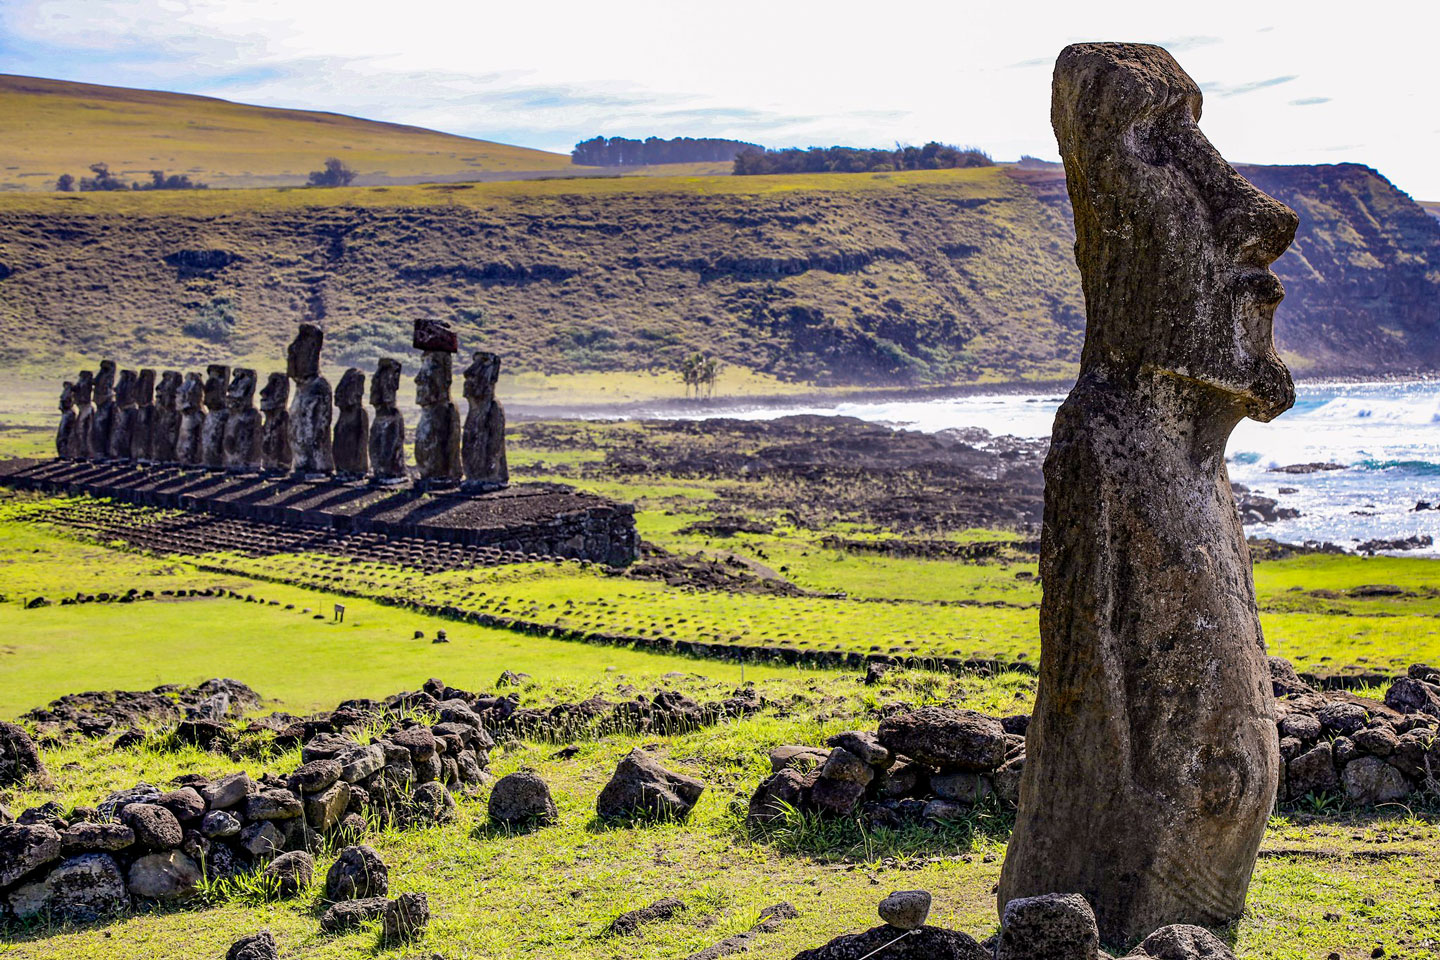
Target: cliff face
944,277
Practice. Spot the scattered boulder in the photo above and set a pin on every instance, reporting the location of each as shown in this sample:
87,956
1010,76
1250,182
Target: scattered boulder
80,890
431,803
776,795
257,946
291,873
349,914
906,909
1181,941
89,837
956,740
927,943
1055,926
642,789
19,759
405,918
315,776
627,924
1371,781
796,757
155,827
522,798
164,876
227,792
358,874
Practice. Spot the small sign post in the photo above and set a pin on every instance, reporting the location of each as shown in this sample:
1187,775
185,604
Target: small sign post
339,613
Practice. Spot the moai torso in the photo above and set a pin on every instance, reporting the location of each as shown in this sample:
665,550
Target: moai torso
312,409
166,430
212,434
483,447
437,435
189,449
387,430
275,455
142,437
65,435
103,421
352,427
242,424
1151,761
122,428
84,414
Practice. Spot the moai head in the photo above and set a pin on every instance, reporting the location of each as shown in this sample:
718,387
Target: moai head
84,387
145,388
350,392
192,393
125,388
302,361
1199,309
385,385
217,382
276,392
167,391
480,377
432,383
241,394
67,397
105,382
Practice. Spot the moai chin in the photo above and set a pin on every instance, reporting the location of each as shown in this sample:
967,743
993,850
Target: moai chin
312,409
84,414
275,454
437,435
103,421
352,427
1152,759
483,448
166,430
142,438
122,428
189,446
212,435
387,429
65,434
242,424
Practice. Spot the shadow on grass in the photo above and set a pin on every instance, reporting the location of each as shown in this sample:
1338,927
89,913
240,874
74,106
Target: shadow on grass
857,838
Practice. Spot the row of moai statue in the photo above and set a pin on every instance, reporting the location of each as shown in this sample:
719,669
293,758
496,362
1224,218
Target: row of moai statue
213,423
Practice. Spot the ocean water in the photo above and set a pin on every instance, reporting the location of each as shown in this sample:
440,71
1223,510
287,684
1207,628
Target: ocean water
1385,435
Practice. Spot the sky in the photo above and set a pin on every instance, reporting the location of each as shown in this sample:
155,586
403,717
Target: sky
1284,82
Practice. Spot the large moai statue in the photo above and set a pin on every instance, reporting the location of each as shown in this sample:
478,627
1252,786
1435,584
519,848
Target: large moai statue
165,433
275,454
1152,756
122,429
387,430
142,436
242,424
437,435
189,440
312,409
483,447
212,435
104,419
352,427
84,413
65,436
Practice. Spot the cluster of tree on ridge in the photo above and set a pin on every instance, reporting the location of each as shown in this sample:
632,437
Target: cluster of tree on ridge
932,156
624,152
105,180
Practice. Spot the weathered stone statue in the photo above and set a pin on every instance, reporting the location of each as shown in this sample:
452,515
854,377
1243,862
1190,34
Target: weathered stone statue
84,413
242,424
122,428
189,448
483,450
142,437
166,431
104,419
437,435
387,430
212,435
352,427
311,410
65,435
1152,756
275,454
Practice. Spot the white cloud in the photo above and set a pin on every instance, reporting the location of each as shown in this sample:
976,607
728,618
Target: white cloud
780,73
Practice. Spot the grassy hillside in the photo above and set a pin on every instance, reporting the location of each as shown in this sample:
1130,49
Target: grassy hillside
50,127
835,280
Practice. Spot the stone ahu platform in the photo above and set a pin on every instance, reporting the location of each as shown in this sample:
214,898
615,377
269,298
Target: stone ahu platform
533,518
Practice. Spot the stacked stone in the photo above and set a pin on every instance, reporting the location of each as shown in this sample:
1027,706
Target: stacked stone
143,845
931,764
